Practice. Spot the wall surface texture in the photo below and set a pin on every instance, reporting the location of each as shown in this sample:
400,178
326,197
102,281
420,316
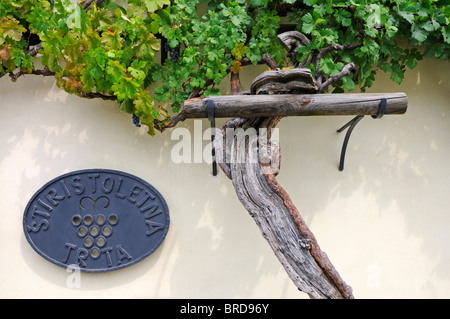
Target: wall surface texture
384,221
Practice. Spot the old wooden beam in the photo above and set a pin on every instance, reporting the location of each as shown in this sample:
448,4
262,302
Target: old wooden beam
249,106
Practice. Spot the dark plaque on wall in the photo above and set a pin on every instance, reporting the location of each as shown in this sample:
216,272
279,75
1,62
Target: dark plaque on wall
99,220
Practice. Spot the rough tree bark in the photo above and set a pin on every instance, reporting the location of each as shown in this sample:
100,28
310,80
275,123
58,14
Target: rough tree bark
247,156
252,165
251,161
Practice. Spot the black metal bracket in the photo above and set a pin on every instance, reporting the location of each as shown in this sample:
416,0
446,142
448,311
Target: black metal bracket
351,125
212,120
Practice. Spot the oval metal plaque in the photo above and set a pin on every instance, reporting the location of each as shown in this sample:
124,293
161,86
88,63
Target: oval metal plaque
100,220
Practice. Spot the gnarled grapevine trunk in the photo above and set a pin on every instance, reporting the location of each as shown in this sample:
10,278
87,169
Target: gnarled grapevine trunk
252,162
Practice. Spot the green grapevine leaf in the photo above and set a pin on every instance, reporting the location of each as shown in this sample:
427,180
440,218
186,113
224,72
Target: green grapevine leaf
153,5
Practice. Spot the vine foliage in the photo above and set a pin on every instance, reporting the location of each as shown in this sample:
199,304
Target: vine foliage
115,50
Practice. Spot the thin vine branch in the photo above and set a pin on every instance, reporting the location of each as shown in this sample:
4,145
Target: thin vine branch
325,51
44,72
95,95
344,72
47,72
34,51
269,61
172,122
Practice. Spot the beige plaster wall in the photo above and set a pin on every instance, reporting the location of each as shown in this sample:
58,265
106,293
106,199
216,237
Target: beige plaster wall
384,221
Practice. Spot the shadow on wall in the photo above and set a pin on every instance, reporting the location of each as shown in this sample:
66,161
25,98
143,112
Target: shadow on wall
389,206
213,248
46,133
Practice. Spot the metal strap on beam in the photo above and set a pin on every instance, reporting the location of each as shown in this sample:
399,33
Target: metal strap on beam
212,120
351,125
